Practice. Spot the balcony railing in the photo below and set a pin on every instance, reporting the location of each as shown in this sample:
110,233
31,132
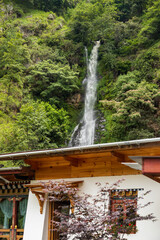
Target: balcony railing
11,234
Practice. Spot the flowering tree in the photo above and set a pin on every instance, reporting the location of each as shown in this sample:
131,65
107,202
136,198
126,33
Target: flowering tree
91,217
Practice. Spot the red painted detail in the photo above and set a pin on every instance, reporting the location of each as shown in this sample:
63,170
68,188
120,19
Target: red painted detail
14,218
151,166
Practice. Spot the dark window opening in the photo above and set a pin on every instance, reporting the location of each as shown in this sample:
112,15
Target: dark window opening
63,208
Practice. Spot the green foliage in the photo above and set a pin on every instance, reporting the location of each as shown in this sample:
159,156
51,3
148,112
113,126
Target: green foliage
41,125
42,65
130,8
13,56
148,63
91,20
134,99
58,6
151,23
52,82
38,125
29,68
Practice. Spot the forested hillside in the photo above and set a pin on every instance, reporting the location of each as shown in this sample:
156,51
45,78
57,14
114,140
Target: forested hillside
42,66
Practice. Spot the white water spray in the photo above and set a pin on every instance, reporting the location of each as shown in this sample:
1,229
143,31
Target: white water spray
83,133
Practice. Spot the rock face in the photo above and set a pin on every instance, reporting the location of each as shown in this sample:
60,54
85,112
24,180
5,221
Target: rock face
75,100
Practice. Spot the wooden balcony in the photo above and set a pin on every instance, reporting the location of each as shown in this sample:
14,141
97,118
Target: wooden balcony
11,234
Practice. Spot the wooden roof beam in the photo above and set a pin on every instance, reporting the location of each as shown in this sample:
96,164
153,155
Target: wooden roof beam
40,196
120,157
11,171
39,191
40,185
73,161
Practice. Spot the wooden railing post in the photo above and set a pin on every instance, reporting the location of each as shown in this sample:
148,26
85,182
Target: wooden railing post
14,217
10,235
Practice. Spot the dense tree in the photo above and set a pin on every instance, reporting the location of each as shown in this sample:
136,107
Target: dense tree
130,8
91,20
151,25
42,125
52,82
42,65
13,57
133,100
58,6
38,125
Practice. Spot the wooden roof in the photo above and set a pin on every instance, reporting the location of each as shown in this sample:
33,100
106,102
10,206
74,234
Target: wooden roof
16,174
88,161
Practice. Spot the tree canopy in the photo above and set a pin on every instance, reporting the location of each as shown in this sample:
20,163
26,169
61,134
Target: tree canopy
42,66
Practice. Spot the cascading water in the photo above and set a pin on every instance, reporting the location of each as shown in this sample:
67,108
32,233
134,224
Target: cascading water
83,133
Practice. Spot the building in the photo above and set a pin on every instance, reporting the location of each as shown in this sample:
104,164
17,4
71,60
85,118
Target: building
13,201
136,161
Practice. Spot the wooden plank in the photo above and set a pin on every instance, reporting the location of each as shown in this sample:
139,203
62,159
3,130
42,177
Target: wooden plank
5,237
20,237
94,164
53,164
36,191
87,168
91,173
92,155
73,161
85,171
86,162
78,156
53,173
36,185
20,230
34,165
48,158
4,230
141,152
119,156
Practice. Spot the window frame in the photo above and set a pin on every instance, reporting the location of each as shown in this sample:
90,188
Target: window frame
125,198
53,234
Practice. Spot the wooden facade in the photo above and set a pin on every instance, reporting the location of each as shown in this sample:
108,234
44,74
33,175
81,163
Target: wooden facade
107,162
96,160
13,190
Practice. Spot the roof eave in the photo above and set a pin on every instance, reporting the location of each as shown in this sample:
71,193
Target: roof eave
82,149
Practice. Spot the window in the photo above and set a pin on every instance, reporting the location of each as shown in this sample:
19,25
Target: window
62,208
123,203
8,212
12,213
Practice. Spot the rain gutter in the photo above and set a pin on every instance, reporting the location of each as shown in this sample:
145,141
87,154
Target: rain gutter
81,149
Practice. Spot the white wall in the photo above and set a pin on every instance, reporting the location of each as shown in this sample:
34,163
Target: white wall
46,223
35,222
36,225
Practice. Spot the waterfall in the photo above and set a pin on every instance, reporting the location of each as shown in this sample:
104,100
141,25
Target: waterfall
83,133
